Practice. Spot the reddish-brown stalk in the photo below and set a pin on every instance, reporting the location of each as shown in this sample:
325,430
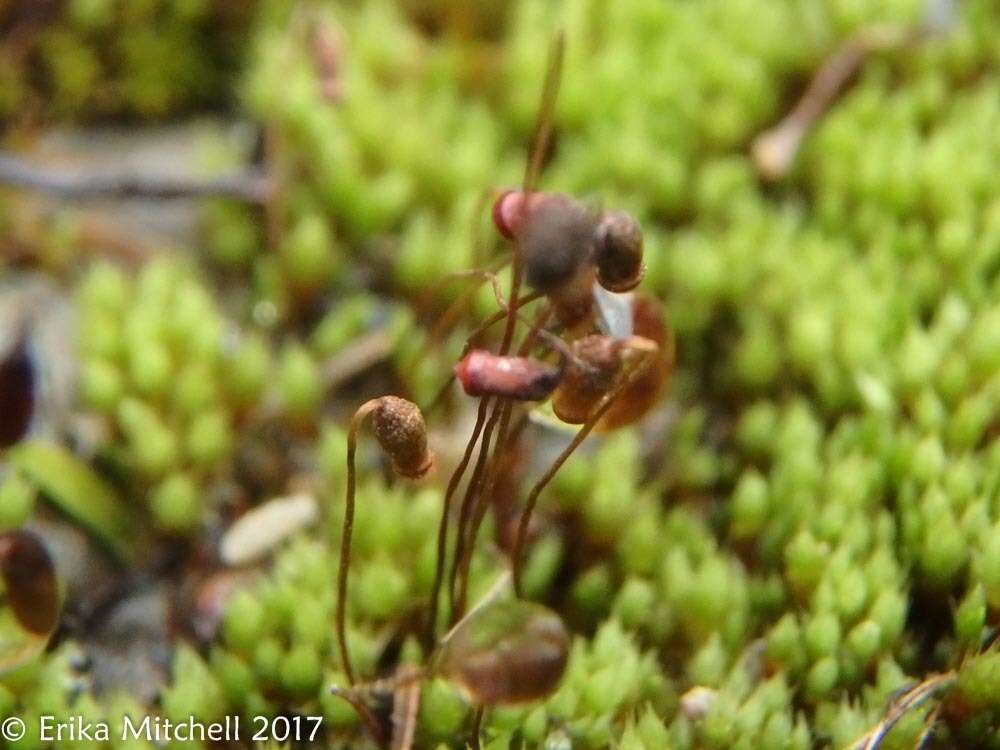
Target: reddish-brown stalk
503,406
465,512
402,434
442,540
345,542
505,441
581,435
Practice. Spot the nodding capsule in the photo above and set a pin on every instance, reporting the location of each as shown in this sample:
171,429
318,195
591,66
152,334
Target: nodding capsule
509,652
590,374
618,251
29,582
400,429
483,373
642,395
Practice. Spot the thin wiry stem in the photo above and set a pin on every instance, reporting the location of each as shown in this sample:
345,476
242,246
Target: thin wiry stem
442,540
477,727
774,150
465,513
581,435
462,302
505,443
345,543
543,132
405,704
370,721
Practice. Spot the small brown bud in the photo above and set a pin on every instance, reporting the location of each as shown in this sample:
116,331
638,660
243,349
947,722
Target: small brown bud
618,251
507,652
400,429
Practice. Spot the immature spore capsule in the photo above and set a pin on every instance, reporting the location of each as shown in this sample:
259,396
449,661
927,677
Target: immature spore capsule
483,373
508,652
400,429
618,251
30,598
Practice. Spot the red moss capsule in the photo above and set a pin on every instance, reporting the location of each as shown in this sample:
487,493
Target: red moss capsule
618,251
483,373
400,429
507,652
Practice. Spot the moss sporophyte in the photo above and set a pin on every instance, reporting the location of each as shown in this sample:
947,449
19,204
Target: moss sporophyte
515,651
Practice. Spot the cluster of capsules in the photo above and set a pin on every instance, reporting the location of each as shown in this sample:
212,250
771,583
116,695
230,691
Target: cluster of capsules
600,351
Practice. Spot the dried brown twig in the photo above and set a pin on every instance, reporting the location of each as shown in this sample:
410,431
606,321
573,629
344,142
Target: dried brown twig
774,150
911,699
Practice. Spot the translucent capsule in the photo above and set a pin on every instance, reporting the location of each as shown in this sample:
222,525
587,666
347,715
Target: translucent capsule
29,598
508,652
590,374
644,392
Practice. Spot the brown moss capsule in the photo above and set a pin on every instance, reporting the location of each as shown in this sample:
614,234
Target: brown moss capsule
618,251
505,653
400,429
483,373
596,363
645,390
30,597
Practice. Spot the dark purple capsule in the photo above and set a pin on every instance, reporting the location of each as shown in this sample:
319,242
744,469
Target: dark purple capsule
17,395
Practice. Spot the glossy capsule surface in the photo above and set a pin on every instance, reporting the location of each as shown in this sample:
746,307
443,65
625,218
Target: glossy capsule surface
483,373
506,653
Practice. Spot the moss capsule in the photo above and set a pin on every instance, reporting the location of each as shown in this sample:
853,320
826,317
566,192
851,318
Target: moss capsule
30,598
507,652
618,251
483,373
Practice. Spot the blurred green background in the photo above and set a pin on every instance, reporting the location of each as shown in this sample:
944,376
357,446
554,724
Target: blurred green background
809,523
